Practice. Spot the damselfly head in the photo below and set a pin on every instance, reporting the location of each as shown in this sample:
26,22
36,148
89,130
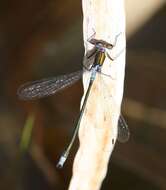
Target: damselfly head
100,43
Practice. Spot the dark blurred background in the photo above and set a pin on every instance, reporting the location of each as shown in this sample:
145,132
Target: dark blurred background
44,38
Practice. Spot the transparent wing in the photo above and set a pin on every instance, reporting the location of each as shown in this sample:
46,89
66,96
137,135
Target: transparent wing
46,87
123,130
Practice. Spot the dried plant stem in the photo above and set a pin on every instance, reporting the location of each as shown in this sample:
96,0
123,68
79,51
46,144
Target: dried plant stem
103,20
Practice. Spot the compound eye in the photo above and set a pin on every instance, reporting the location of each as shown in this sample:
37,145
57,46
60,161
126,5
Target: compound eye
109,46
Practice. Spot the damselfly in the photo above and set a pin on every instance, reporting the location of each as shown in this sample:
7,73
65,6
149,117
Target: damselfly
49,86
